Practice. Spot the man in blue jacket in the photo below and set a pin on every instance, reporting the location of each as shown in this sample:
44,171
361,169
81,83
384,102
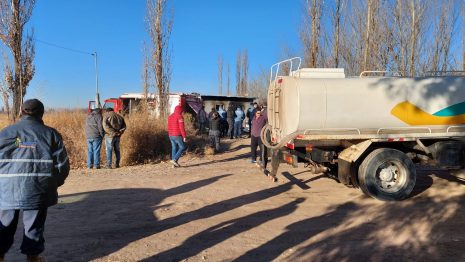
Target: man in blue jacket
33,164
240,116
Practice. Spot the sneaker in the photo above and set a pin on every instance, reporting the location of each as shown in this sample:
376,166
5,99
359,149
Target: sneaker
107,167
253,161
36,258
174,163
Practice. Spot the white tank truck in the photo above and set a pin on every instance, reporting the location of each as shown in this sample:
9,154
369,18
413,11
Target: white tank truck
366,131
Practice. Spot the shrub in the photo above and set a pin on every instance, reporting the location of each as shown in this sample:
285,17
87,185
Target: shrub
145,140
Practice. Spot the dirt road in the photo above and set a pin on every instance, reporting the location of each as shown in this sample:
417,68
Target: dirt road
220,208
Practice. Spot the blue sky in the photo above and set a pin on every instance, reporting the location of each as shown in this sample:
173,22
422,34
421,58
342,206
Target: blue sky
115,29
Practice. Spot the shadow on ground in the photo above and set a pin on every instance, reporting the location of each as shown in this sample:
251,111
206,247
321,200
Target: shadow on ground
418,229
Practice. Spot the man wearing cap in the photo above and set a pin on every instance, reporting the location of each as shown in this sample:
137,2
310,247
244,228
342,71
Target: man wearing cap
114,126
33,164
94,134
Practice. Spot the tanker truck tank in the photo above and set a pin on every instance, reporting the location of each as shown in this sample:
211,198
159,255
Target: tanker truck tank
302,102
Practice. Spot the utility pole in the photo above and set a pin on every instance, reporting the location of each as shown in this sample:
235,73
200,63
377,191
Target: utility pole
97,95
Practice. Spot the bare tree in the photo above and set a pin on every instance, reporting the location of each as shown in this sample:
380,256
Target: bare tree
4,87
14,15
368,32
443,32
462,9
310,36
228,79
258,87
145,81
159,25
238,73
245,68
220,75
337,19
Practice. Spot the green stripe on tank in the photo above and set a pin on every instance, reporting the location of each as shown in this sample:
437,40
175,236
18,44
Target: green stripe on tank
453,110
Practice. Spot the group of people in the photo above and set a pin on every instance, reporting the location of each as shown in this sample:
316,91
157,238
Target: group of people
221,123
230,121
109,126
34,163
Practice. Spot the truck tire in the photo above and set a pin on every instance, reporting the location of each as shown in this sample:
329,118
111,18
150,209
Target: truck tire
387,174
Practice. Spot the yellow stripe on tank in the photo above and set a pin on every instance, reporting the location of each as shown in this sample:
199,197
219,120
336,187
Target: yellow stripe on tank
415,116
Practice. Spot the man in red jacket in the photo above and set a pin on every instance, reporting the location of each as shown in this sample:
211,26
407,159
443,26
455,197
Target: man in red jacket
177,135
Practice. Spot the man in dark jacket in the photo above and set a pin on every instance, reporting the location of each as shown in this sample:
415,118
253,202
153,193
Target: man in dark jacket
114,127
214,131
230,115
203,120
94,135
33,163
251,114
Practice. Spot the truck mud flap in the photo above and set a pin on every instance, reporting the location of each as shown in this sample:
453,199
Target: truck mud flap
345,173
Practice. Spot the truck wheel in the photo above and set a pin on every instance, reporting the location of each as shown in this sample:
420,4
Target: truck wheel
387,174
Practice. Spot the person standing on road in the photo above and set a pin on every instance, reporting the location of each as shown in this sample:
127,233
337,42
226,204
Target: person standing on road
230,116
240,116
214,131
94,135
34,163
250,115
223,122
258,122
177,135
203,120
114,126
211,113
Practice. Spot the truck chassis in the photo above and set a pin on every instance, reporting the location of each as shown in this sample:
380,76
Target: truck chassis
380,162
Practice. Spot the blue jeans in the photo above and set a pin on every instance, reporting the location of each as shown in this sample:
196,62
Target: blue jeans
237,128
112,143
93,152
177,147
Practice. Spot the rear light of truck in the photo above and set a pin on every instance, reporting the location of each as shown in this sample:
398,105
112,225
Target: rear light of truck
290,159
290,145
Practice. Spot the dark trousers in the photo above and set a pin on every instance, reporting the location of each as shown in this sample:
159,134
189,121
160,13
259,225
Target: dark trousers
214,136
250,127
202,126
256,142
230,127
33,237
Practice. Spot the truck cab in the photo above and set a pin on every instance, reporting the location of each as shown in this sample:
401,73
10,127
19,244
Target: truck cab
117,104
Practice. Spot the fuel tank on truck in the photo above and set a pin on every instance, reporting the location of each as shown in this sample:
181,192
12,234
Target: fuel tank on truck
312,100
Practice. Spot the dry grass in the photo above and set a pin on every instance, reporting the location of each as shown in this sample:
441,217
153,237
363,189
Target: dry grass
145,140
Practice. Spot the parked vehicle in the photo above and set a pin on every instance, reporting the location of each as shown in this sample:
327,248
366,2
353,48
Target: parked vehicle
131,102
367,131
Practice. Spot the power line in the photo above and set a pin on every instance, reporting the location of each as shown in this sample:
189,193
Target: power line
63,47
